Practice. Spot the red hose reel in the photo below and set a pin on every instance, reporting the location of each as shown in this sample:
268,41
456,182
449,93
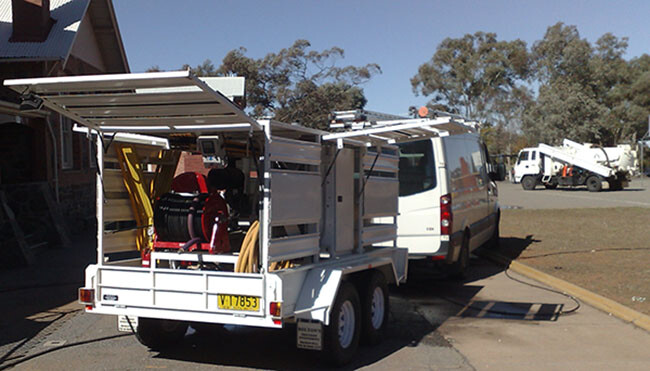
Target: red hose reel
190,217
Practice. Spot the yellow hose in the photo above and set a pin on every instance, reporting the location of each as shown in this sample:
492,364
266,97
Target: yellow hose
248,254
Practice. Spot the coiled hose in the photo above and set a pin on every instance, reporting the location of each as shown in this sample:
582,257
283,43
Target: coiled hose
249,253
248,260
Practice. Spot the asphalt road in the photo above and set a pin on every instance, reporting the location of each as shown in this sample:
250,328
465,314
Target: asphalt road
487,322
513,196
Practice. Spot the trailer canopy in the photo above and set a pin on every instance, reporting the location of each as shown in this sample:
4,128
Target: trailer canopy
399,131
162,102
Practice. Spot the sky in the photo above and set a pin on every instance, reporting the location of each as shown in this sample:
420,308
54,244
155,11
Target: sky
398,35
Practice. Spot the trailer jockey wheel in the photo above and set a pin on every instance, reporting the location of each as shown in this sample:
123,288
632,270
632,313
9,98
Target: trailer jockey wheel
159,334
342,334
374,308
594,184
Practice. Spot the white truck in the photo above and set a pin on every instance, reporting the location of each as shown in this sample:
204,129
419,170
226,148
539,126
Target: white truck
315,212
575,164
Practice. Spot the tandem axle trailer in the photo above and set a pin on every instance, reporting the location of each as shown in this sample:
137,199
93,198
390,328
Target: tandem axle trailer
296,226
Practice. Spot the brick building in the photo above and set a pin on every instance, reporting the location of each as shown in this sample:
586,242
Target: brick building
53,38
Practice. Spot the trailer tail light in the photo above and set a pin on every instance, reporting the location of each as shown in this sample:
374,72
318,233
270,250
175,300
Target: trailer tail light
446,218
87,297
275,309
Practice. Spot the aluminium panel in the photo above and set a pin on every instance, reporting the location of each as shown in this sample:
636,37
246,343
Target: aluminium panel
167,110
379,197
88,100
294,151
129,99
120,241
378,233
292,247
295,197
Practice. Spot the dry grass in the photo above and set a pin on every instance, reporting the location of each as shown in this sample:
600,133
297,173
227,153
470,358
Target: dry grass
606,251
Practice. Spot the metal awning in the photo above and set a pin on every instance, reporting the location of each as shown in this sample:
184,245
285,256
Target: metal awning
399,131
139,102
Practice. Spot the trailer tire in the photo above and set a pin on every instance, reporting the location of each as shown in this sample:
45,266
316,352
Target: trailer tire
158,334
342,334
528,182
594,184
374,308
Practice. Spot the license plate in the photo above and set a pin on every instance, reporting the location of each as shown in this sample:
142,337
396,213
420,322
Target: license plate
238,302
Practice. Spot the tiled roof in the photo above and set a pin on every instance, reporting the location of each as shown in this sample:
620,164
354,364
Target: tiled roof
68,15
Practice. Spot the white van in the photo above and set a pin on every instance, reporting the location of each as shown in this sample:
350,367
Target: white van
448,203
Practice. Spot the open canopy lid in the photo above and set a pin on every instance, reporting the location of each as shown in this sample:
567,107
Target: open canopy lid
162,102
406,130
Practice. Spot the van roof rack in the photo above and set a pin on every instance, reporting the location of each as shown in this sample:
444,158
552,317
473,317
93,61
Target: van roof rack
361,119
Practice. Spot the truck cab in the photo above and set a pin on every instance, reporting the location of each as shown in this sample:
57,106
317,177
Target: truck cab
528,163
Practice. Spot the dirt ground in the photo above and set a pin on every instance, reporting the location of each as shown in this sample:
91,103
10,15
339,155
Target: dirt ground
605,250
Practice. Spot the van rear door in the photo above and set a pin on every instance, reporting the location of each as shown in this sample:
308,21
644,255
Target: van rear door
419,201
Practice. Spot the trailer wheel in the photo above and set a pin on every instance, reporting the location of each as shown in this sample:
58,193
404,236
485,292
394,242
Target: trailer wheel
594,184
158,334
375,308
529,182
342,334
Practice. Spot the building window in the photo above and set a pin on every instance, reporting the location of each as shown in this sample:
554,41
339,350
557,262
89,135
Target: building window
67,160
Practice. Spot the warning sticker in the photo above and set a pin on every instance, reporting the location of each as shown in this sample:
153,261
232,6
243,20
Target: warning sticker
123,324
310,335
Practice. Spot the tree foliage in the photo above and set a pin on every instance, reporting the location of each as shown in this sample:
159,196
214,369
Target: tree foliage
586,91
472,73
480,77
295,84
563,87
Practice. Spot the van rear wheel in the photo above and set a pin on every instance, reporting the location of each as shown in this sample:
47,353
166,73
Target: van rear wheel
458,268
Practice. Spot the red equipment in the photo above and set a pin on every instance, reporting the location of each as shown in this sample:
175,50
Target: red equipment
189,218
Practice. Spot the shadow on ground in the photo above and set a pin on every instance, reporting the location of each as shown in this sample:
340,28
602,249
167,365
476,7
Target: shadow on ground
29,295
427,287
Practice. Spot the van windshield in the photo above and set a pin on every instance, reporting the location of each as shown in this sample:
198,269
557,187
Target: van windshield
416,170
